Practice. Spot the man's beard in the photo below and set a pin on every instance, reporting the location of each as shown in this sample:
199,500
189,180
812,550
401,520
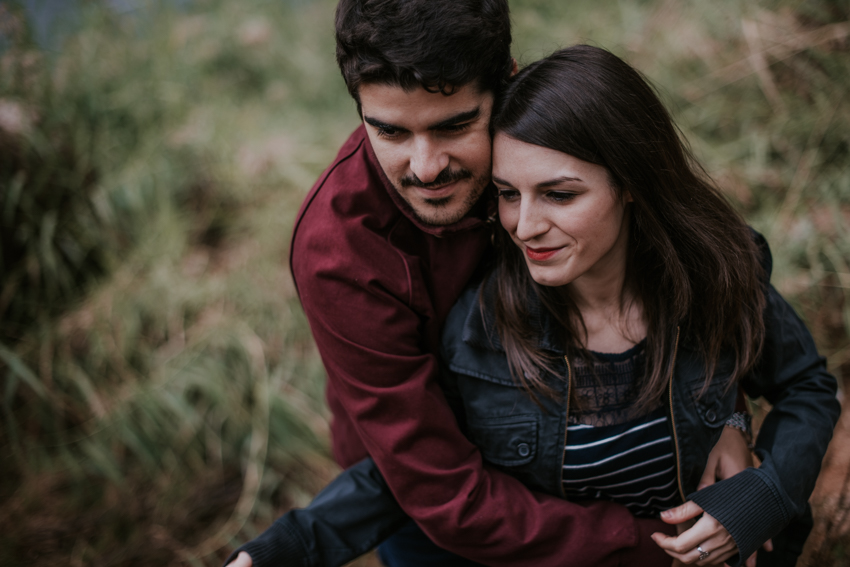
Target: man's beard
444,178
441,216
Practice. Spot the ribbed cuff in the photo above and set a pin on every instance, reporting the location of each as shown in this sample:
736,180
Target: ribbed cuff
748,507
281,544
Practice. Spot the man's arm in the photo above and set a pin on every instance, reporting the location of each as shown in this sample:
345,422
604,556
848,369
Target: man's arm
357,511
372,347
349,517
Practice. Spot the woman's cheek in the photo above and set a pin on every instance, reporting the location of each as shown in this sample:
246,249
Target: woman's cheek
507,216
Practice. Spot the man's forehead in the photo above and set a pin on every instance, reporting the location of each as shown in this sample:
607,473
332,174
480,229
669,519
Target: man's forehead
417,107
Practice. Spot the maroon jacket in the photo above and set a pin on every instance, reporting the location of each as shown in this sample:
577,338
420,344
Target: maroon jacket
376,286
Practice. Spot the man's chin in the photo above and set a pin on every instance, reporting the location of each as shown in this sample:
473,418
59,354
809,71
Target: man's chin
446,210
439,214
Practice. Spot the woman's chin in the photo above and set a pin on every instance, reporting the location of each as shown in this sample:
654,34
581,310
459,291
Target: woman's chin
549,280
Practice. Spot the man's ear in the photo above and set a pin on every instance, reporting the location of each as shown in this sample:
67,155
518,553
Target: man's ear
514,68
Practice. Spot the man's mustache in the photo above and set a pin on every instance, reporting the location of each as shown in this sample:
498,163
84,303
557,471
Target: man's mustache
444,178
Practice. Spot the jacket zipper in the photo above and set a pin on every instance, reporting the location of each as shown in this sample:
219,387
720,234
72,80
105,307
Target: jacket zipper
566,424
673,419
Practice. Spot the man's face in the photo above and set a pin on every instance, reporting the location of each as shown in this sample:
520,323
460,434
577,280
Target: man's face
435,149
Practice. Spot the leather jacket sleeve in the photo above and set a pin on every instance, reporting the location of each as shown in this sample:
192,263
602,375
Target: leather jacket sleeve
349,517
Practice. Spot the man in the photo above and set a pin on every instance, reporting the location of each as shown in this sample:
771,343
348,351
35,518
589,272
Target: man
382,247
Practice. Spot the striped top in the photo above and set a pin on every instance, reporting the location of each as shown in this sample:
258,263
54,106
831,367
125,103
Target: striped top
610,454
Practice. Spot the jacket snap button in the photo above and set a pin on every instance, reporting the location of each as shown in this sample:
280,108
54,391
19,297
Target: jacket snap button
710,415
523,450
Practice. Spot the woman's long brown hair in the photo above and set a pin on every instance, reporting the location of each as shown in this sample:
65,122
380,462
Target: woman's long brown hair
692,260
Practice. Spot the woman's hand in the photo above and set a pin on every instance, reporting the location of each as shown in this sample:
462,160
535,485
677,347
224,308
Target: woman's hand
242,560
728,457
707,534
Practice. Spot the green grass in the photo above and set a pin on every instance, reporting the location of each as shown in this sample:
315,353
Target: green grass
162,397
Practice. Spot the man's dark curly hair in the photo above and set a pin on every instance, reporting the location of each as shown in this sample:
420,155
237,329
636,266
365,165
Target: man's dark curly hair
439,44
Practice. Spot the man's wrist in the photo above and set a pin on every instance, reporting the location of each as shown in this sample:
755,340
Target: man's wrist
743,422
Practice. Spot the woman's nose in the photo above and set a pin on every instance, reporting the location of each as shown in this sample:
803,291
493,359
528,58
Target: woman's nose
428,159
532,221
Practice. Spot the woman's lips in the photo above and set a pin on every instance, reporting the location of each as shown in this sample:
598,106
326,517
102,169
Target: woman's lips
540,254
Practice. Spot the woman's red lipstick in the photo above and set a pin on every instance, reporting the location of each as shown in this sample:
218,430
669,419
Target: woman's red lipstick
540,254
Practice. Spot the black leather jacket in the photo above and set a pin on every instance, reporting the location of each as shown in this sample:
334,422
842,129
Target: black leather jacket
512,432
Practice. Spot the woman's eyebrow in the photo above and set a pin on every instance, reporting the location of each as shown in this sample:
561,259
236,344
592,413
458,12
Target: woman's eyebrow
558,181
543,184
501,182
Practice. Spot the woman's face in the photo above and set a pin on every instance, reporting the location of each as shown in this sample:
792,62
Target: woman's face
561,211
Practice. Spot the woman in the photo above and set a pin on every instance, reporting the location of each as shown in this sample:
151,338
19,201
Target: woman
598,358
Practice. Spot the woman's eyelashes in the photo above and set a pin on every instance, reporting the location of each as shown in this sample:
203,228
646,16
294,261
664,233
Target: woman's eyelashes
560,196
510,195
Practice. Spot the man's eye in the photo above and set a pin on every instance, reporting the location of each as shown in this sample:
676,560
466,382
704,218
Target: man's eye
509,194
455,128
388,132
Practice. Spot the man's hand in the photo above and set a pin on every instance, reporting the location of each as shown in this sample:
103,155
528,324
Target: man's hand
242,560
728,457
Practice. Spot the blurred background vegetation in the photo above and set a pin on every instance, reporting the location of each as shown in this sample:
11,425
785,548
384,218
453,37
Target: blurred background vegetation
161,395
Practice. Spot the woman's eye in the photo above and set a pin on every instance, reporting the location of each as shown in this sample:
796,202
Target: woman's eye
561,196
508,194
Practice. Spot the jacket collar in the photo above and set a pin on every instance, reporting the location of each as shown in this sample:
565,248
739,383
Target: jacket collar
473,219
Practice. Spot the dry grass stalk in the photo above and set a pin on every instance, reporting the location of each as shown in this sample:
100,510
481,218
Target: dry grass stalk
792,44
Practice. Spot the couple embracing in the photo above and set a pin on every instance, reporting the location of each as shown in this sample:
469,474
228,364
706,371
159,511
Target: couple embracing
537,315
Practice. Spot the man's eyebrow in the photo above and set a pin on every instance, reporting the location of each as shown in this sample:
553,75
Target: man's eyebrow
382,125
456,119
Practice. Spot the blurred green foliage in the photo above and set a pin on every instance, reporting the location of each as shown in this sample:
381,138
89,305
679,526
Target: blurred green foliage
161,392
162,398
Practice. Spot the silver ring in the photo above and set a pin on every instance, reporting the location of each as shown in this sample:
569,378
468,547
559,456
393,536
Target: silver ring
703,554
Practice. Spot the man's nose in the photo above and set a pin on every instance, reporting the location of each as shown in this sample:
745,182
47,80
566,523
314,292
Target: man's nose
532,220
428,159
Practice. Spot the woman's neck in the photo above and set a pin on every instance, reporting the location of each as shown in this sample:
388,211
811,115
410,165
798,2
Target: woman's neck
614,330
612,315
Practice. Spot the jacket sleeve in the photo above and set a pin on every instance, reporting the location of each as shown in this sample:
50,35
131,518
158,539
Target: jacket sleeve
756,504
371,343
348,518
